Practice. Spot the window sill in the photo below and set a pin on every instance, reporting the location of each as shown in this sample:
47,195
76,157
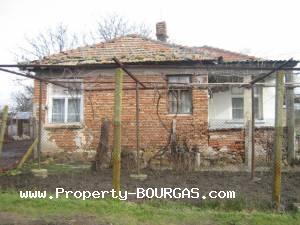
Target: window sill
242,121
51,126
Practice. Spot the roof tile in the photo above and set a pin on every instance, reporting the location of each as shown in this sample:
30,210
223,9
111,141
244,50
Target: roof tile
134,48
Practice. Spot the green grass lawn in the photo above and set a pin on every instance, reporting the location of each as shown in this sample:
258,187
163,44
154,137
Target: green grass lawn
111,211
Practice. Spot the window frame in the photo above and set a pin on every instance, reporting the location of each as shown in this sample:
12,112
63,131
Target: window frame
66,98
179,90
258,94
242,108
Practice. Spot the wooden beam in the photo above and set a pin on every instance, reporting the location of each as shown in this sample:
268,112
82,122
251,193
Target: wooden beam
27,154
128,72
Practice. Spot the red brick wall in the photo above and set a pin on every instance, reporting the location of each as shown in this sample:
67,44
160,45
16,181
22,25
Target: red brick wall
233,139
99,104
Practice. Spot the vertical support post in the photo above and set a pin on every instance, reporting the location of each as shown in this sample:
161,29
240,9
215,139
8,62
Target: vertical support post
278,139
34,136
3,127
117,130
247,122
40,123
290,118
137,104
252,133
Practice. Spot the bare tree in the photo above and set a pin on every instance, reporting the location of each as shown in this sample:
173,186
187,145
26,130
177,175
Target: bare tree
53,40
113,26
60,38
22,100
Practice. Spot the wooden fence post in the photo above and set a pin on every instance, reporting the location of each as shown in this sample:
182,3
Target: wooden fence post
290,119
117,130
137,104
3,127
101,158
278,139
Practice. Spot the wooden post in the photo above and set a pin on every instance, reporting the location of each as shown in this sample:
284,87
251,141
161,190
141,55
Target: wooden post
27,154
290,118
3,127
40,124
252,133
137,129
117,130
247,123
278,139
102,149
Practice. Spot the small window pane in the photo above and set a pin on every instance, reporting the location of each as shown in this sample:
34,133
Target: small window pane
186,102
179,79
237,108
180,98
74,110
58,110
173,101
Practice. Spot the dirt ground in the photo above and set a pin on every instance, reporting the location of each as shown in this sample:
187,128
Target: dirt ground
206,181
12,152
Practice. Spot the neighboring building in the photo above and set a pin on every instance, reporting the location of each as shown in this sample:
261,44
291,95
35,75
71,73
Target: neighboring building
205,119
20,126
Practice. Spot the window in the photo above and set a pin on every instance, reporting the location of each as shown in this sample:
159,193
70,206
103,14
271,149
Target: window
180,98
237,108
65,104
258,102
238,103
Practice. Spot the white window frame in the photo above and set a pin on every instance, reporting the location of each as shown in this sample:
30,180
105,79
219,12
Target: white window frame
237,93
66,97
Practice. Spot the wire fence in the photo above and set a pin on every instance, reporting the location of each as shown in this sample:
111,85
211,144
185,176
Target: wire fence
186,122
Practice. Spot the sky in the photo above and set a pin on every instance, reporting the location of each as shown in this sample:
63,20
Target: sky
263,28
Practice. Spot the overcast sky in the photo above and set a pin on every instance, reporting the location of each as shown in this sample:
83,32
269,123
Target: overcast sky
268,29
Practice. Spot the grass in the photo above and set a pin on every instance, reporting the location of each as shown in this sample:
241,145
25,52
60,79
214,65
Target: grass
148,212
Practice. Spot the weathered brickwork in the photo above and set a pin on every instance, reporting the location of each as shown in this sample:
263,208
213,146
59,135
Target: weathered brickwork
215,146
99,104
232,142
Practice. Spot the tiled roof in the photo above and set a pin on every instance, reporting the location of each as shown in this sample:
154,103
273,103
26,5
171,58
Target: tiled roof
137,49
228,56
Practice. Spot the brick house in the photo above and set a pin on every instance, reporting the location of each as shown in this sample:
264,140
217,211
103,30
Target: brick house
205,121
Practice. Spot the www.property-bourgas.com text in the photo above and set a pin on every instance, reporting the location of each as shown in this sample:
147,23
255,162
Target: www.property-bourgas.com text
140,193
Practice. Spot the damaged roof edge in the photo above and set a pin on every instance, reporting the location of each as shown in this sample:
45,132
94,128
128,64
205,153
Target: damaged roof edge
205,64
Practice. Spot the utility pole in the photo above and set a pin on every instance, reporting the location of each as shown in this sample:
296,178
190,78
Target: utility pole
278,139
117,130
3,127
290,118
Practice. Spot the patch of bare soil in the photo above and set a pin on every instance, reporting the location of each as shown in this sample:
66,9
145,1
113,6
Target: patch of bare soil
13,152
206,181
